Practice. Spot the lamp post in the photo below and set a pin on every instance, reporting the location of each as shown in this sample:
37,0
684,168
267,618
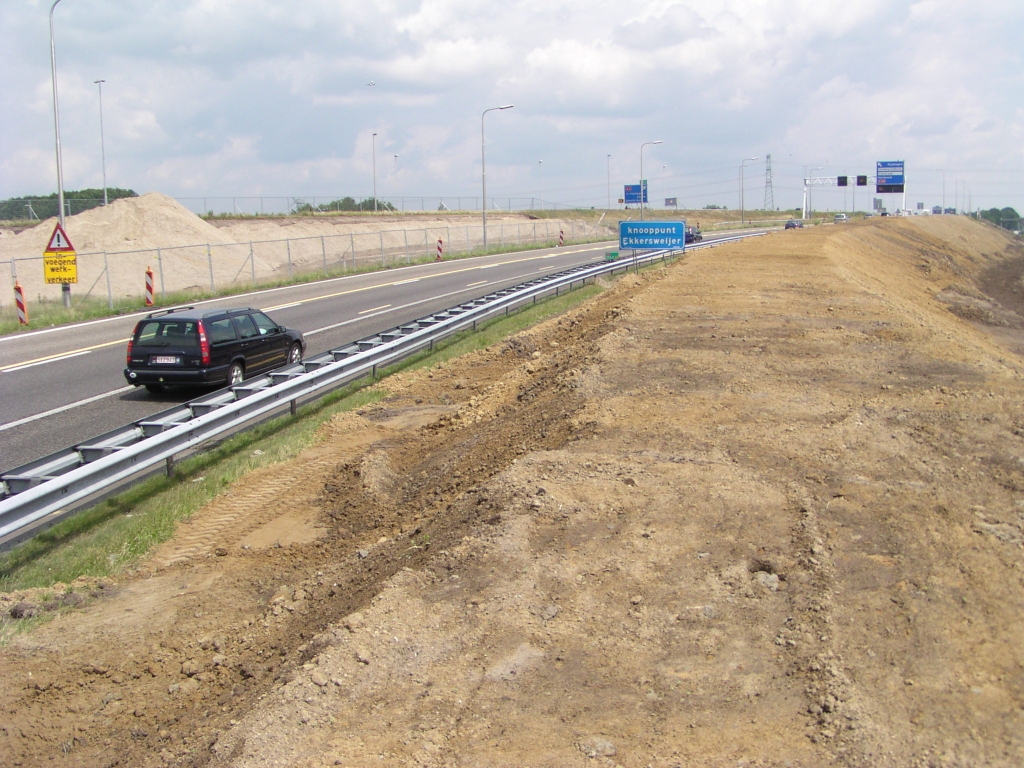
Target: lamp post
396,178
375,173
609,182
65,288
540,182
483,165
810,192
642,190
742,164
103,153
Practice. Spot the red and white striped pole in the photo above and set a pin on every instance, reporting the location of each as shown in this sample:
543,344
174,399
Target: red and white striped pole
19,299
561,238
149,287
440,250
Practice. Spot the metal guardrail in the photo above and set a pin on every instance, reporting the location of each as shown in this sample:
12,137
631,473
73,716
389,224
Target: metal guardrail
38,494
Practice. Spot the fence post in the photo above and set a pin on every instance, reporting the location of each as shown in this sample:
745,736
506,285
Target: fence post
288,246
252,264
110,293
381,233
160,268
448,232
405,234
352,242
209,259
323,252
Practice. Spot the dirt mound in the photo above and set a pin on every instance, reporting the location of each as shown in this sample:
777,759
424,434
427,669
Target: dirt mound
763,508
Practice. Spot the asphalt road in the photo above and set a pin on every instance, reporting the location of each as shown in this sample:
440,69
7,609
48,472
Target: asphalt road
62,386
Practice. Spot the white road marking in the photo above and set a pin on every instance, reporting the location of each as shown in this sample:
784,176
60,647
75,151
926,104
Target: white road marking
63,408
375,309
44,362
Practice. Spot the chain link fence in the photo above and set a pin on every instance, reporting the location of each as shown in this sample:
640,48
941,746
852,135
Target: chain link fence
217,267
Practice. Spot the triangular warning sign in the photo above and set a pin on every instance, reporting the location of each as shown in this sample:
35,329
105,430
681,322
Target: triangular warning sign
59,240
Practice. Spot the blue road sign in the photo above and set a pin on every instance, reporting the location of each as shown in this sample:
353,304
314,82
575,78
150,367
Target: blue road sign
651,235
635,193
889,176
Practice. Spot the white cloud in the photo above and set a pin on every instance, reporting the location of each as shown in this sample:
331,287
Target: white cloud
231,97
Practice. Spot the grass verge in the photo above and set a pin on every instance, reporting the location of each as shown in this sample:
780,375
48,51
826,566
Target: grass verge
115,535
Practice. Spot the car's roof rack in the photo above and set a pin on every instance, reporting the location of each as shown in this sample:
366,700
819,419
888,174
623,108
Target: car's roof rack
168,311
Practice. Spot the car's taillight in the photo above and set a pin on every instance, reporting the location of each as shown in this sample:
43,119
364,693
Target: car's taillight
204,345
130,351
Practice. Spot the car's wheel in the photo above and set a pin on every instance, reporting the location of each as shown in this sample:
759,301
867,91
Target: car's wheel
295,354
154,388
235,374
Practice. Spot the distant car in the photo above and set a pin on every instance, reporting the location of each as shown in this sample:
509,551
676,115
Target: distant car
693,235
840,218
794,224
213,347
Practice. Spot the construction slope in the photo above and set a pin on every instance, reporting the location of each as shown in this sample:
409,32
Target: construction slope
763,507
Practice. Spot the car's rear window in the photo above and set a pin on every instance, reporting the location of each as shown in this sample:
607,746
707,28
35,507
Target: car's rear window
167,333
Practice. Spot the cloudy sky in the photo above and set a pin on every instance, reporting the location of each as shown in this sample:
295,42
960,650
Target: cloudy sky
221,98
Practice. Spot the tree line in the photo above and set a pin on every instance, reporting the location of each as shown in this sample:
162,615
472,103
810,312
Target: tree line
45,206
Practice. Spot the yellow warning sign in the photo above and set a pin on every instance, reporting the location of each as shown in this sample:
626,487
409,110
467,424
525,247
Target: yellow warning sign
60,267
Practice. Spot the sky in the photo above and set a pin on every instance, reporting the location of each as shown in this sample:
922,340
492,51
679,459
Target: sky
227,102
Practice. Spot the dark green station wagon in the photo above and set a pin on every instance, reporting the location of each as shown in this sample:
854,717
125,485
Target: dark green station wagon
215,347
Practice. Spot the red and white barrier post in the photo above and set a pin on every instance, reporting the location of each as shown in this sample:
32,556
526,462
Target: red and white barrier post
19,300
149,287
440,250
561,238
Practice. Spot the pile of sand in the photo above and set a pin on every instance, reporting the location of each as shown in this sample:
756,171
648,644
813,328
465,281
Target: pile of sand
116,244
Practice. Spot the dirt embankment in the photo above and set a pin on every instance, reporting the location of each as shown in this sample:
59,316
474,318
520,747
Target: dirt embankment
765,507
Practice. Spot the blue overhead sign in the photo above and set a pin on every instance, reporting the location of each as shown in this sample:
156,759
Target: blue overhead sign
651,235
889,176
635,193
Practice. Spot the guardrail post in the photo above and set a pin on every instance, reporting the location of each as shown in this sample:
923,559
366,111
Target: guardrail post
293,407
169,462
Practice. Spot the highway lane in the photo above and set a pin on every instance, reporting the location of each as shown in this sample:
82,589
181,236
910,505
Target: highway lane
64,385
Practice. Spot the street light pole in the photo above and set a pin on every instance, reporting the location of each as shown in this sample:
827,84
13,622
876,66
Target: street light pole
396,178
743,163
609,182
642,189
65,288
103,153
483,165
810,192
375,173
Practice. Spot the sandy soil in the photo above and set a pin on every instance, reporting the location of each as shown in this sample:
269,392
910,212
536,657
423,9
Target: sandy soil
120,241
764,507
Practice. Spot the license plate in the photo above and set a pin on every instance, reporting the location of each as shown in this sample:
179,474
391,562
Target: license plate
166,360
